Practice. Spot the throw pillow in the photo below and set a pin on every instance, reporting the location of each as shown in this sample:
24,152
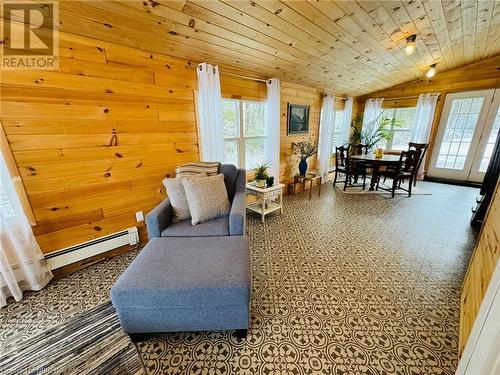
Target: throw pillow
207,198
177,195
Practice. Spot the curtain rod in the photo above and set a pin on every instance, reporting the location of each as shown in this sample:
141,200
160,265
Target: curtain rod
402,97
336,97
407,97
241,76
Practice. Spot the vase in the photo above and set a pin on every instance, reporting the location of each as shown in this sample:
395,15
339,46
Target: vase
303,167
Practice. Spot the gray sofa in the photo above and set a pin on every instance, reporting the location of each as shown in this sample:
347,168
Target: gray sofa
159,220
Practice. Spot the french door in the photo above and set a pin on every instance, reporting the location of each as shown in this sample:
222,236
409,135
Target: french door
466,136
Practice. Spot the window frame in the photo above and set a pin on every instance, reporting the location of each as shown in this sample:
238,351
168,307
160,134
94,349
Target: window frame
241,147
16,176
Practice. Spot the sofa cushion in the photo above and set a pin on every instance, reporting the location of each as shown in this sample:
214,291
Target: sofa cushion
215,227
177,195
193,169
186,272
230,173
207,198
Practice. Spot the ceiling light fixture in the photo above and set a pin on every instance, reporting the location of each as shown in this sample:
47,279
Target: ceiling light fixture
432,71
410,44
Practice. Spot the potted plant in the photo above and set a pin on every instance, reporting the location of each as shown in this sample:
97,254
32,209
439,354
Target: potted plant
261,174
304,149
373,133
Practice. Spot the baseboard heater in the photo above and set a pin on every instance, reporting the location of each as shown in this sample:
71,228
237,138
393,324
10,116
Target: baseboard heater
88,249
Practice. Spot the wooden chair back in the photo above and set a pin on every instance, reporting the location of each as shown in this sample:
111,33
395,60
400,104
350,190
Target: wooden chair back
422,147
341,157
409,161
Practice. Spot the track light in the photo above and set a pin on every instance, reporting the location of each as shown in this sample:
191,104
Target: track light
410,44
431,72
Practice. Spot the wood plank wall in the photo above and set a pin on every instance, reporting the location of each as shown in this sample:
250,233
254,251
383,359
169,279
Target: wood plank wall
482,75
299,94
93,140
481,268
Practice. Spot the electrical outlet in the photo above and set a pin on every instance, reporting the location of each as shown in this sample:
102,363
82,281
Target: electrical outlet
139,216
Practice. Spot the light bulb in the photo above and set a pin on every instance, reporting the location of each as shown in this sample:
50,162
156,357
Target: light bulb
431,72
410,44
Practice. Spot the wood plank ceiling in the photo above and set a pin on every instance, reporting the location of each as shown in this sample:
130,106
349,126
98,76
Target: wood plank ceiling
351,47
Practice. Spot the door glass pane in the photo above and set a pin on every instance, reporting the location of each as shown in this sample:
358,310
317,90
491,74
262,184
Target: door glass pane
460,126
491,143
231,151
254,152
254,119
230,118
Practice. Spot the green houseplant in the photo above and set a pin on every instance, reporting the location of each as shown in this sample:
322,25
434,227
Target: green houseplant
304,149
261,174
374,133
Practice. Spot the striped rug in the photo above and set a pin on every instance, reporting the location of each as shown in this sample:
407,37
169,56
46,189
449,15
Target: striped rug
89,343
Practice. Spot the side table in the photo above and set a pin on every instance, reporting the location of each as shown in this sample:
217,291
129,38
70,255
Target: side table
268,199
311,177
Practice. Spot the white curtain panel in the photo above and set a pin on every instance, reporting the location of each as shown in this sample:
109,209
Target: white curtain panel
424,114
326,135
272,149
346,120
22,265
209,108
373,109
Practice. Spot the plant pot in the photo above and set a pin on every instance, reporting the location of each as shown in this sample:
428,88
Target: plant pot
260,183
303,167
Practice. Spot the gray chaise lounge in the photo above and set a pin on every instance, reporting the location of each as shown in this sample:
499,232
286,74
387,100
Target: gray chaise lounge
189,278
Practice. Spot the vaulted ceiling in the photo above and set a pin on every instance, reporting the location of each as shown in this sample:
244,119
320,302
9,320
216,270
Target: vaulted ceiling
351,47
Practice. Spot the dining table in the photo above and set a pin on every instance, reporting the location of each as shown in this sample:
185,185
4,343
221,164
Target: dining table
375,163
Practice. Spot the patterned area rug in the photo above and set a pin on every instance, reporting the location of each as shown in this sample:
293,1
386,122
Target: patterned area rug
89,343
335,292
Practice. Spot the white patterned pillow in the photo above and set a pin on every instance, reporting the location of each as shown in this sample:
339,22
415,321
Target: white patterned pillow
177,195
207,198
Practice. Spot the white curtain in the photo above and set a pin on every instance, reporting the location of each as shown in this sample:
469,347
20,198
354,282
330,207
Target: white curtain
346,120
22,265
209,108
421,129
373,109
327,122
424,114
272,149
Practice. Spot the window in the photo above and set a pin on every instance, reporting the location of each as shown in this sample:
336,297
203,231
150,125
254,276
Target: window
244,132
399,128
337,131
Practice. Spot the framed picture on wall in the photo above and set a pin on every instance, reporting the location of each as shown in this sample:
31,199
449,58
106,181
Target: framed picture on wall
298,119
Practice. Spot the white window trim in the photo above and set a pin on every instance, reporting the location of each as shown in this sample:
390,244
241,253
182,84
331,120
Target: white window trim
241,133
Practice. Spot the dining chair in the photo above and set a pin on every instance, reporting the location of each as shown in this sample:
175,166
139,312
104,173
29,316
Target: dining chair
361,166
406,168
422,147
344,165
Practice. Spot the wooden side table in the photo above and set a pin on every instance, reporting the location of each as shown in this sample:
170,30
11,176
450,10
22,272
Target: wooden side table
268,199
311,177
